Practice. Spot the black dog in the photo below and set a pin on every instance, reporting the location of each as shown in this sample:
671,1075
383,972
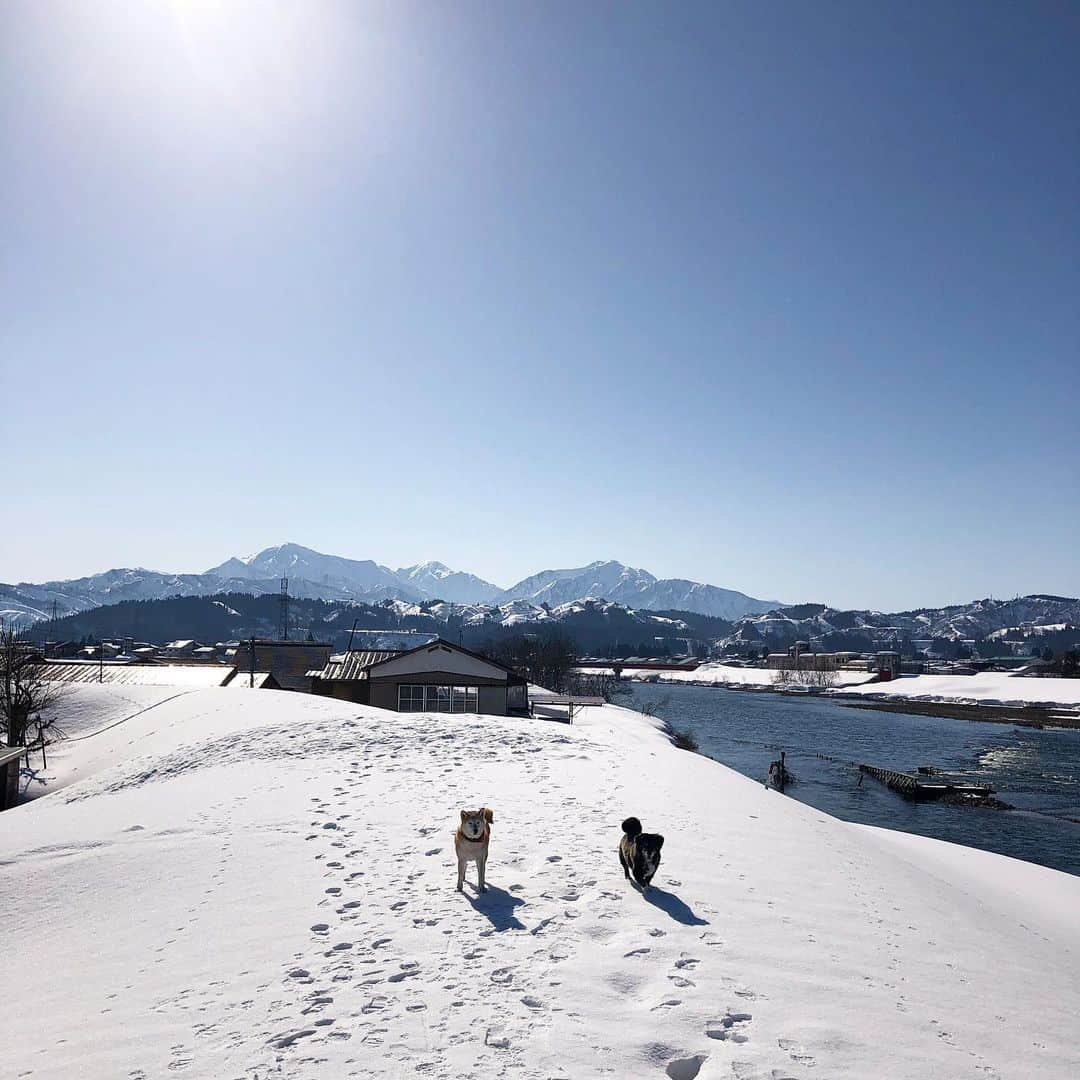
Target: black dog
639,851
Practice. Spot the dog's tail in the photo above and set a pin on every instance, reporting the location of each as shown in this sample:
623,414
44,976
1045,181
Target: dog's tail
632,827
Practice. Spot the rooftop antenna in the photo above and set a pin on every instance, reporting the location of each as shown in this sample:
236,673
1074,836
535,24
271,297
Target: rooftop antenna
283,600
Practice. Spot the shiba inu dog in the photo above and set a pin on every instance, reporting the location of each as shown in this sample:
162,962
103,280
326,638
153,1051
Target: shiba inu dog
639,852
471,844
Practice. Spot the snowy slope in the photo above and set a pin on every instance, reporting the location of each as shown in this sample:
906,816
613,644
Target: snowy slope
261,885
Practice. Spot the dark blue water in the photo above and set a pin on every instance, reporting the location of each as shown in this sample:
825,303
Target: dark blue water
1038,772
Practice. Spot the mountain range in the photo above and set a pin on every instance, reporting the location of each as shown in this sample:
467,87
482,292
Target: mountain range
1020,619
314,575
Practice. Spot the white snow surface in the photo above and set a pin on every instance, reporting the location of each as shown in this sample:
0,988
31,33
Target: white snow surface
985,688
726,675
262,885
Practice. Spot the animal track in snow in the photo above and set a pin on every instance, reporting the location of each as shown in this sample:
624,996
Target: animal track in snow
730,1027
685,1068
796,1052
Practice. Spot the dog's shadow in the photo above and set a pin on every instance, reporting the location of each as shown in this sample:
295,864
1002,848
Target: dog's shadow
497,906
671,905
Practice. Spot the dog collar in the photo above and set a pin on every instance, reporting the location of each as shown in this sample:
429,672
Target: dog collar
479,840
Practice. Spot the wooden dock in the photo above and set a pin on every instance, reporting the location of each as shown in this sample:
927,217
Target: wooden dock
918,790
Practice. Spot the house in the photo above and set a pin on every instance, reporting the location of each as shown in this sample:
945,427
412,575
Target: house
180,650
437,676
288,661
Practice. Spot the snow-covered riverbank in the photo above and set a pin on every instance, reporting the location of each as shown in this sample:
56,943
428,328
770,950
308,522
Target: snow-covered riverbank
261,884
987,688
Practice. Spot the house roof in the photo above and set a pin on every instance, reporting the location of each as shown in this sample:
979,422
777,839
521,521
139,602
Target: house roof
201,674
353,665
358,664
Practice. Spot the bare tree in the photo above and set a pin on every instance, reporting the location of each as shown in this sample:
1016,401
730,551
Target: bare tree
808,670
26,692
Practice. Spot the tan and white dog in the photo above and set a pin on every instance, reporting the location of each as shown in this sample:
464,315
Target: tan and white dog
471,844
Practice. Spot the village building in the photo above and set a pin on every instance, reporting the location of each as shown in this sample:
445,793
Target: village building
437,676
288,661
180,650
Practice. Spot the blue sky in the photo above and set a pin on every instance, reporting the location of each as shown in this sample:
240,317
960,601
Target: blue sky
783,297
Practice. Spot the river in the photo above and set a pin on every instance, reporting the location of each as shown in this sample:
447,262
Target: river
1036,771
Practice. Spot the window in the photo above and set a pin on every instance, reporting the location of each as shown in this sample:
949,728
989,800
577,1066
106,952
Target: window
464,699
416,698
410,698
438,699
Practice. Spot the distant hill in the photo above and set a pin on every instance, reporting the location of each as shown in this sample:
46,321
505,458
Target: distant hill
594,626
1053,618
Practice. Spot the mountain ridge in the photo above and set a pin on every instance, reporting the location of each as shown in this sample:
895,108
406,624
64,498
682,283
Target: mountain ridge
316,575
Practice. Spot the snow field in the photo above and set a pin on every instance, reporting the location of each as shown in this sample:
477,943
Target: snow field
263,885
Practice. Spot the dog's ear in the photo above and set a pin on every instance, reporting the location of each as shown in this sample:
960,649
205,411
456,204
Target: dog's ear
659,842
464,815
489,815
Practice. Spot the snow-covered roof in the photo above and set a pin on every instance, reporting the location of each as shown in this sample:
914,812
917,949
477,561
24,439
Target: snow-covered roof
201,674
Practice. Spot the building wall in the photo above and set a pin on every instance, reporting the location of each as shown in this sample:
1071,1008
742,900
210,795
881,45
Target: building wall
443,658
355,690
289,662
384,695
490,696
491,700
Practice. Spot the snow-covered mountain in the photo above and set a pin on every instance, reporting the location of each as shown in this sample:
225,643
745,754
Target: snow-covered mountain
1021,617
437,581
636,588
315,575
354,578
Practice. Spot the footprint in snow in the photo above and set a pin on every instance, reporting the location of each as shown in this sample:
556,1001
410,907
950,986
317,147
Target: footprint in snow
685,1068
731,1027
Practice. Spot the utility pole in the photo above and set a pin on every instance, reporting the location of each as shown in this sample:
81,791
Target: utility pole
251,676
283,629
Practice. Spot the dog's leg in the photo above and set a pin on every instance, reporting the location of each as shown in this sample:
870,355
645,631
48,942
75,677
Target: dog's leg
461,875
481,868
623,863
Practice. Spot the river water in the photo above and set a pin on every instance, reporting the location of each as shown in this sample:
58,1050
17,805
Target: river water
1037,772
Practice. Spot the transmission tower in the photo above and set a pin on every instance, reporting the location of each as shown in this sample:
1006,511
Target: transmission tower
283,605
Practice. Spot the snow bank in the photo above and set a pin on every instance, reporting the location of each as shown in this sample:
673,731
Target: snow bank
262,884
744,678
986,688
89,723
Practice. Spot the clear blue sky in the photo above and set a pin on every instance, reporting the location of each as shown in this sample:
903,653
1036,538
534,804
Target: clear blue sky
784,297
